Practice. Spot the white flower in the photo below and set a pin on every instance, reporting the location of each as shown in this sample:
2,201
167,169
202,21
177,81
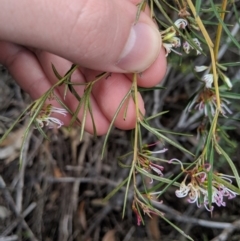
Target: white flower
193,195
183,190
200,68
213,105
197,189
226,80
58,110
169,47
208,79
196,41
44,117
160,151
51,121
175,41
224,107
181,23
187,47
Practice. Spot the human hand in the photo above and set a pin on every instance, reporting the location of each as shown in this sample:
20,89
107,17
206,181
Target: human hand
98,36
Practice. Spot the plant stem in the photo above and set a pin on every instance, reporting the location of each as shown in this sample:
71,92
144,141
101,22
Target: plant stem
135,150
219,29
213,59
135,145
200,24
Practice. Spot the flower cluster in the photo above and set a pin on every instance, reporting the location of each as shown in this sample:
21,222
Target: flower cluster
197,188
208,78
188,46
44,117
206,100
147,165
171,39
142,201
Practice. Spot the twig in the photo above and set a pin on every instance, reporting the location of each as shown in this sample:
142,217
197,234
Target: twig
16,221
20,185
10,238
174,214
98,180
104,212
224,235
7,196
129,234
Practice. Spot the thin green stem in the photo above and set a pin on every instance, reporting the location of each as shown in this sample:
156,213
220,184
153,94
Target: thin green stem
200,24
151,9
219,29
135,148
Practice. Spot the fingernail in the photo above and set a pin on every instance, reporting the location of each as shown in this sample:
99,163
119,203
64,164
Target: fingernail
142,48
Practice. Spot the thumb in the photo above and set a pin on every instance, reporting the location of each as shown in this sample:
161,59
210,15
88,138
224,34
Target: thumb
99,35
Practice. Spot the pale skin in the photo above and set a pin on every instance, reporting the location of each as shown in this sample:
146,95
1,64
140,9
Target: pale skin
93,34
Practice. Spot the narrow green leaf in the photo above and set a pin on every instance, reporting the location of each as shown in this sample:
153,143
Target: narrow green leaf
92,118
115,190
230,162
177,228
121,164
156,115
85,109
230,95
155,177
226,184
224,25
198,6
140,7
41,130
210,176
74,92
127,187
233,64
142,89
56,72
210,135
24,140
173,133
113,119
159,135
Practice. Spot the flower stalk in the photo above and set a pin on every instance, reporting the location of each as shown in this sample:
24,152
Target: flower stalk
219,29
213,59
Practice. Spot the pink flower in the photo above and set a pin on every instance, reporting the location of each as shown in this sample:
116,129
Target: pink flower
156,168
206,101
44,117
197,189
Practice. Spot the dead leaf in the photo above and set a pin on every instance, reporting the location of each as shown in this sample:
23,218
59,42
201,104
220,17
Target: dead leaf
109,235
9,147
153,229
82,215
57,172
